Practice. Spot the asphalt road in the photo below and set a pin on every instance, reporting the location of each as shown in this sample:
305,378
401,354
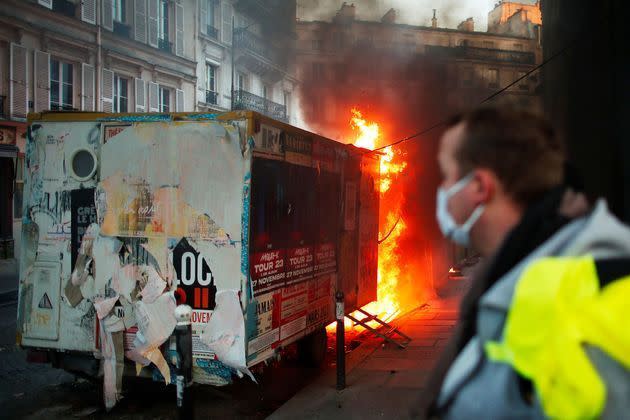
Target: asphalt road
37,391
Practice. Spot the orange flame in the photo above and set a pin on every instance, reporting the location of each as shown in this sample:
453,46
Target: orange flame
387,307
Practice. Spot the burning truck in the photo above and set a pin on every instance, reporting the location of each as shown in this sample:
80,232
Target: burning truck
251,222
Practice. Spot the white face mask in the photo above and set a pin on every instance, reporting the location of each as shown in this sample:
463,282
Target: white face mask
459,234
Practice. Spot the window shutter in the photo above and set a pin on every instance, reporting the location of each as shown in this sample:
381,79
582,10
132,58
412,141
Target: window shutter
179,100
18,83
107,19
140,20
203,16
42,81
153,23
107,91
179,30
45,3
88,11
141,96
87,87
154,97
226,20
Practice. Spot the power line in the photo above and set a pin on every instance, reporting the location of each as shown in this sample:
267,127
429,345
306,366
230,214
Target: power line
495,94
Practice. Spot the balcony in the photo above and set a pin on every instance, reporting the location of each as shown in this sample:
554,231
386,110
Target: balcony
243,100
165,45
122,29
212,32
3,101
64,7
259,56
211,97
485,54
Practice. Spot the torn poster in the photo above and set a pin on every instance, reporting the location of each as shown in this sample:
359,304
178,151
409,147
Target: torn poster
225,332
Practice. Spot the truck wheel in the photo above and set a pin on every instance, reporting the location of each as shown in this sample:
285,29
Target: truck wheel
312,348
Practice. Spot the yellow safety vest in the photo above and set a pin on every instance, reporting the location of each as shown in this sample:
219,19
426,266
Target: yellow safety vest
557,307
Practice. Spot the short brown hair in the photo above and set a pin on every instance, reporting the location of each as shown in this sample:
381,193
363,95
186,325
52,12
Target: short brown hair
521,148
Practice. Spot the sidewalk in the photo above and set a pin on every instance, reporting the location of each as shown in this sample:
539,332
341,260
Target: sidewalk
8,280
383,381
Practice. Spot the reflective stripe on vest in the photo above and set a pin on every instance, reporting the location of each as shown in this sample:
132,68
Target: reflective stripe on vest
557,307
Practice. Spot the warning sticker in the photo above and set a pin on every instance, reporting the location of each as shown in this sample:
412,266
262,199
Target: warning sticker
44,302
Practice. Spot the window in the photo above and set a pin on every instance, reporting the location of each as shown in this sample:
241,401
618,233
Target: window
210,13
211,84
241,81
287,102
19,188
493,78
121,94
165,99
61,85
163,21
488,44
265,91
118,11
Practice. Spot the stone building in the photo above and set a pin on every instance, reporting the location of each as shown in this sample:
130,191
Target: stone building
135,56
349,61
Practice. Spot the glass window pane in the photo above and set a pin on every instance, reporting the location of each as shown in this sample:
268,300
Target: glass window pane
66,72
123,105
67,95
54,92
54,70
123,87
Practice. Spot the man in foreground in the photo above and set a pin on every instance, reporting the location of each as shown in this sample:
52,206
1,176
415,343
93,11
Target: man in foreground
544,331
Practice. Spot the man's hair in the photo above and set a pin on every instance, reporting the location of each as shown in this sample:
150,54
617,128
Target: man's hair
521,148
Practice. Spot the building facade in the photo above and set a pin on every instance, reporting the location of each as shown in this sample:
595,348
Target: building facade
348,61
136,56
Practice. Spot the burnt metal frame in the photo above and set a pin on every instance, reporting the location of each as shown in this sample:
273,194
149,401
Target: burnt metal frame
387,336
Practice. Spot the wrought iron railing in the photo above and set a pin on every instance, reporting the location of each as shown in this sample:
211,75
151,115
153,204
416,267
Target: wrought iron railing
243,100
212,32
246,40
211,97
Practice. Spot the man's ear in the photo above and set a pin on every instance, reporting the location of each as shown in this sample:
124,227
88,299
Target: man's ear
485,186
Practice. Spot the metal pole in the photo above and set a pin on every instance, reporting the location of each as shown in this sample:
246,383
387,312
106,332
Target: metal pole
183,339
232,64
341,345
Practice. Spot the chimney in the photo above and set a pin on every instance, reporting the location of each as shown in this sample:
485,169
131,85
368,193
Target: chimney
467,26
389,17
434,20
345,13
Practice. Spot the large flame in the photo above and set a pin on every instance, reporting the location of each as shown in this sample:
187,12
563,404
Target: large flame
388,305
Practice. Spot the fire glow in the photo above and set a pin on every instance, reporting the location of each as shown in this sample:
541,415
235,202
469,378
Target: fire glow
388,305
